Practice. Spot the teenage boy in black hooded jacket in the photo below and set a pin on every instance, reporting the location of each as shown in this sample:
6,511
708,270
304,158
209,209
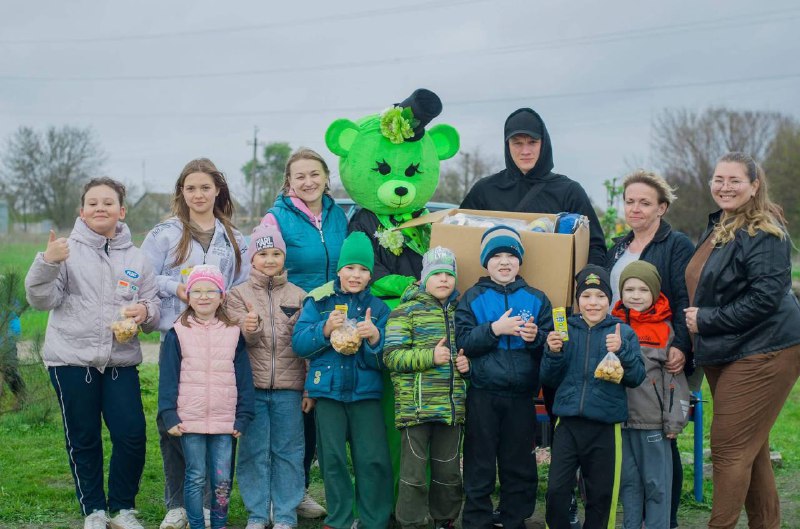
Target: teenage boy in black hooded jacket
529,184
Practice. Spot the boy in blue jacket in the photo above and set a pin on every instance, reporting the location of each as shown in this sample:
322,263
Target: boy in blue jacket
590,410
348,387
501,324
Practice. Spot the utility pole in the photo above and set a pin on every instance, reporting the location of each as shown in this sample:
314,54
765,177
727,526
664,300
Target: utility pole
255,203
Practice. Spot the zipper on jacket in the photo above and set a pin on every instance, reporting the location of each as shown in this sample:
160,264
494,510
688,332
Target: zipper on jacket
272,323
207,342
585,371
452,366
658,395
318,227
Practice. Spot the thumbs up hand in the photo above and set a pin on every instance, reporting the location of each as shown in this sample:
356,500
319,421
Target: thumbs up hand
614,341
251,319
441,353
366,329
57,249
462,362
529,331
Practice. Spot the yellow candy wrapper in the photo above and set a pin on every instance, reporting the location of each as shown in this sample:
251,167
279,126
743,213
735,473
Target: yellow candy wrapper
560,322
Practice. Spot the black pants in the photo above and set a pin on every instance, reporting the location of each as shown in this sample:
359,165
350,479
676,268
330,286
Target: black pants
310,434
499,437
595,448
86,396
677,484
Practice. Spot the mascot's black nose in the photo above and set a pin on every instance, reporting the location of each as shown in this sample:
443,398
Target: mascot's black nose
400,191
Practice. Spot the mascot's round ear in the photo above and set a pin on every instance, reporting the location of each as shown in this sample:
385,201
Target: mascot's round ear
445,138
340,136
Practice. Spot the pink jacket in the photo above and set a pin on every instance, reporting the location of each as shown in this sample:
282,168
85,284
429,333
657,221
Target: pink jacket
207,392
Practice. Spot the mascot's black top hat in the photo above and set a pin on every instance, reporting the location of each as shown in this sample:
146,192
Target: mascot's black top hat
424,105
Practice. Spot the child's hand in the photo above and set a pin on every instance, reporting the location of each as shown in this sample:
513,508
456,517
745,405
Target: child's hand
529,331
366,329
462,362
506,325
671,436
177,430
137,311
335,320
251,319
614,341
57,249
236,434
308,404
181,293
554,341
441,353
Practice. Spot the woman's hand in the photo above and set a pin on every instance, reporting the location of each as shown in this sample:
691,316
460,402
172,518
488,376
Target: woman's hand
177,430
691,319
335,320
675,361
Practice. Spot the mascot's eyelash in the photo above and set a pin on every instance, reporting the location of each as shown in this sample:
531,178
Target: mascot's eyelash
413,169
382,167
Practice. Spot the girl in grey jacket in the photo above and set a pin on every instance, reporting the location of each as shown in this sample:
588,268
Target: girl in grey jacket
200,232
87,281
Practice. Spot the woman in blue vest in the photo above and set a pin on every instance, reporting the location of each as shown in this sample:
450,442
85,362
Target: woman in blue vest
314,228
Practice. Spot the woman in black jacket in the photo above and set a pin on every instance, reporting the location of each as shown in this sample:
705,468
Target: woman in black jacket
647,197
746,322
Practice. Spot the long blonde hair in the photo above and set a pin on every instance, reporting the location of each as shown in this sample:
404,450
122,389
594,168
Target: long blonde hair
223,209
758,213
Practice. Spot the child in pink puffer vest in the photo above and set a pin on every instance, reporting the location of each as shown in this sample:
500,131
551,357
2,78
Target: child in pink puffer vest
205,393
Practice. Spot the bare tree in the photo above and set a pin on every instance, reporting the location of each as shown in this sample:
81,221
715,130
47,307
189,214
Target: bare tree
460,174
687,144
42,173
782,165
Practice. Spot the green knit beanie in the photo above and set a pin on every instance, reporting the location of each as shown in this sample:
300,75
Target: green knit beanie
645,272
357,249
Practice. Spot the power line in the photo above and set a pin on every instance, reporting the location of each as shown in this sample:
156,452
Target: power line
450,103
252,27
600,38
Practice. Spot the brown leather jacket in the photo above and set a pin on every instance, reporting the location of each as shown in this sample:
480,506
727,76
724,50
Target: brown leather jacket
277,303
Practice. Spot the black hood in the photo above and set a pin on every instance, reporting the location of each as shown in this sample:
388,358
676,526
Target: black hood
544,165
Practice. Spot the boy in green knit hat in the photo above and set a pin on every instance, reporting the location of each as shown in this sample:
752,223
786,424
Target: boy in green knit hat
429,393
341,333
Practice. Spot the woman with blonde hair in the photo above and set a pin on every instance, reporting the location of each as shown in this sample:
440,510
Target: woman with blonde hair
746,325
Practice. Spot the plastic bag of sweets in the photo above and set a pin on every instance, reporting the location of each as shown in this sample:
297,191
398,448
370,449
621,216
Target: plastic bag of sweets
609,369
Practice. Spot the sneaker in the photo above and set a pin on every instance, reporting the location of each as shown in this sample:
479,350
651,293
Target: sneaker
496,519
96,520
207,517
281,526
574,522
125,519
256,525
309,508
175,519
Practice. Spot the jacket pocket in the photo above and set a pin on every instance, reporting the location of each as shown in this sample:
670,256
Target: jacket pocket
320,378
367,382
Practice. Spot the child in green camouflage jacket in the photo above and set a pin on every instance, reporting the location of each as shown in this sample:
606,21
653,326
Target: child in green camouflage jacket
429,392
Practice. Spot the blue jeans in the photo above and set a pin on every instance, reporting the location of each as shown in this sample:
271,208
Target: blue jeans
207,455
270,465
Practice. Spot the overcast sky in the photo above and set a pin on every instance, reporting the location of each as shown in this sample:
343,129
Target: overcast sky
164,82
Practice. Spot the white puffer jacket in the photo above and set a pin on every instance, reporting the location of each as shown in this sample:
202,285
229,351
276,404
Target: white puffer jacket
85,294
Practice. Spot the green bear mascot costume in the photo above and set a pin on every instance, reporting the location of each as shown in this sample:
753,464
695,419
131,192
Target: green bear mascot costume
389,165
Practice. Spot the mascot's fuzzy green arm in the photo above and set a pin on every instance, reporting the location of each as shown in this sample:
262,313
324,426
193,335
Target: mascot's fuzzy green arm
389,165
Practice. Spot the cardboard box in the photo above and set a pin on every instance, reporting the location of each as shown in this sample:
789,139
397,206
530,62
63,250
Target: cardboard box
550,263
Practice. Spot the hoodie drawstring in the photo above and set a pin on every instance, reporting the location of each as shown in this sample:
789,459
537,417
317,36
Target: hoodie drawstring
114,373
88,377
